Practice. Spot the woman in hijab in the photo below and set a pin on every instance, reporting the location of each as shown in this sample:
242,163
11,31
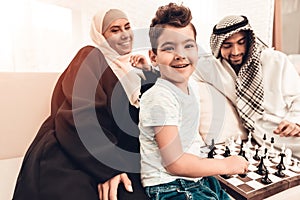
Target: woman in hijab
91,135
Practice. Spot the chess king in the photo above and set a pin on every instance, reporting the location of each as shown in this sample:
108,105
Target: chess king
260,82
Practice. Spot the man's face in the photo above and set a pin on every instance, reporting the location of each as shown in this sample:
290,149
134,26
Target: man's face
177,53
234,49
119,36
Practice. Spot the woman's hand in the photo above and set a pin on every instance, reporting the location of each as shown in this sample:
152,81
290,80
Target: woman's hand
108,190
139,61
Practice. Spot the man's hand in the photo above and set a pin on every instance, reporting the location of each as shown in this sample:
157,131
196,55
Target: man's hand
287,129
108,190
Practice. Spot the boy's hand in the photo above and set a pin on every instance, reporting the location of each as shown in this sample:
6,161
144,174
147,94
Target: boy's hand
236,165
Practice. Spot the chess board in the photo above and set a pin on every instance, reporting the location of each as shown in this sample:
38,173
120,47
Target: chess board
251,187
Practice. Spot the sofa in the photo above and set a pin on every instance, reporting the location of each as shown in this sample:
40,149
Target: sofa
24,105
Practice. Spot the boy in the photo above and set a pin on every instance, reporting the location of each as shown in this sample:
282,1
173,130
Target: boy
170,143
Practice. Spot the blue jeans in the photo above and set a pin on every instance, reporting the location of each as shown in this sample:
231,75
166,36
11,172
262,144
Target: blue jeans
206,188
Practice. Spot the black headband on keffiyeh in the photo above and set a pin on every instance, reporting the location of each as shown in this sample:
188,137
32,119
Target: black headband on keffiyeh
249,88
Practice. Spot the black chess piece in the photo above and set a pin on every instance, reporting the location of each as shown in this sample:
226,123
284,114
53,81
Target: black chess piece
265,179
241,149
212,148
279,172
281,164
211,153
256,156
265,137
227,152
243,154
272,140
261,168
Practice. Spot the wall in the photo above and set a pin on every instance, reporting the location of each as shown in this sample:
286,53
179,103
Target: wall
291,26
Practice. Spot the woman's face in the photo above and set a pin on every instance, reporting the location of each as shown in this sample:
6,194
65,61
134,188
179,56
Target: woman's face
119,36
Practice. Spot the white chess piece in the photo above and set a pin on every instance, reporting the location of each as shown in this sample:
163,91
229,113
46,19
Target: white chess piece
288,157
272,150
295,167
248,143
238,139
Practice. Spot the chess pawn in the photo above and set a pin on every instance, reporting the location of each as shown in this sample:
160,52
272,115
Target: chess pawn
239,139
272,152
263,146
248,143
256,156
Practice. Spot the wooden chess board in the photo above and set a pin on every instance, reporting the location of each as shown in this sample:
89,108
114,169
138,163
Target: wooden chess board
251,187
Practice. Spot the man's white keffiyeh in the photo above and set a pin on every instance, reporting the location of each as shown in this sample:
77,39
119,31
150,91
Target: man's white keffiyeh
249,84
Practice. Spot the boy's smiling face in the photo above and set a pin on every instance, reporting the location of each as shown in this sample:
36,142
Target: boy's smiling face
177,53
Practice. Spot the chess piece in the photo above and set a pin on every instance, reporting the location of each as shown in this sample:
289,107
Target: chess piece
248,144
239,139
212,148
272,150
243,154
281,164
241,149
211,153
265,179
227,152
279,172
263,146
256,156
261,168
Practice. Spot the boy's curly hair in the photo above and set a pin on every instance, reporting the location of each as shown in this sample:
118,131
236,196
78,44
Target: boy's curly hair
172,15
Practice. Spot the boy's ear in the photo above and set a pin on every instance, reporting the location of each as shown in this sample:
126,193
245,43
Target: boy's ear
152,57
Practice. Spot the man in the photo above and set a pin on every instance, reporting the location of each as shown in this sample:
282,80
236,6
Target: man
260,82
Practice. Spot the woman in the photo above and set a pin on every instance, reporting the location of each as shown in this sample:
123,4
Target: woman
91,135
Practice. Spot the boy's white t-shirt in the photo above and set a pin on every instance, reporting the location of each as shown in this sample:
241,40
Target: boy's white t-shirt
166,104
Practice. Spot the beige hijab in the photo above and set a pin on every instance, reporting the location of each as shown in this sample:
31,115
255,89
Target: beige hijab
119,64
